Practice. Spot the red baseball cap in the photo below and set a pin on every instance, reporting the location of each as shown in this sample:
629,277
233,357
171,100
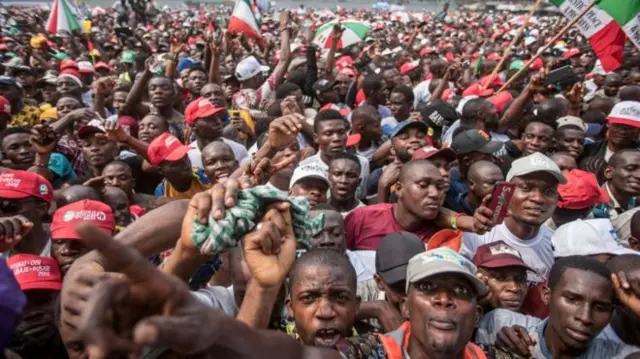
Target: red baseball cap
166,147
500,100
102,65
536,64
68,64
15,184
199,108
408,67
353,139
495,82
66,218
429,151
497,255
35,272
427,51
493,57
581,190
571,53
477,90
5,106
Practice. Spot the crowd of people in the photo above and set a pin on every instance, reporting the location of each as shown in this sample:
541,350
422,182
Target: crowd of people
171,189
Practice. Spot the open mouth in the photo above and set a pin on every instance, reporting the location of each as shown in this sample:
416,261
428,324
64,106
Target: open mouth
327,338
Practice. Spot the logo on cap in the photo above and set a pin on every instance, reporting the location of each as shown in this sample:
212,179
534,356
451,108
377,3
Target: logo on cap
9,180
169,141
436,118
632,111
538,161
43,189
85,215
485,135
445,255
503,249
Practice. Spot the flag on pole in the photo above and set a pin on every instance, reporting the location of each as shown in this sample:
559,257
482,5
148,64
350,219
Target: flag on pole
605,35
245,19
627,14
62,18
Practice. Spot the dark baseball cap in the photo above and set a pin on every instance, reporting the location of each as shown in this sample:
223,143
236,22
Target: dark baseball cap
407,124
393,254
439,115
474,141
322,85
498,255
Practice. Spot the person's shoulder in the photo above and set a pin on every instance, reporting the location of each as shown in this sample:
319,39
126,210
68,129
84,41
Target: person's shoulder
233,144
374,208
602,348
365,346
505,317
545,232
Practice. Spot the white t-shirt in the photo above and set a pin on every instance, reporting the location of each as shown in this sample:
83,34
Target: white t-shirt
361,192
195,155
421,93
537,252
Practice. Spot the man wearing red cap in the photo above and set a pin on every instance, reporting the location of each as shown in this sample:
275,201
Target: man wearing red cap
24,200
207,122
577,198
170,155
504,272
36,335
66,246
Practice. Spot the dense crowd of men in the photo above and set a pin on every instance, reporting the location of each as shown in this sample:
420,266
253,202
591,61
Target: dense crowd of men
169,189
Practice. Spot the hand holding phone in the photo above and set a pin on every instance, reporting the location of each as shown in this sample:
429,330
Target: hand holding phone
500,198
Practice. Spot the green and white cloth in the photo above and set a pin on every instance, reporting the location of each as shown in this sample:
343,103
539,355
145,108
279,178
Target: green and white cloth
220,236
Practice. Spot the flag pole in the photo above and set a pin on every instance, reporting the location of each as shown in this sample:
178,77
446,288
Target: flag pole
548,44
507,51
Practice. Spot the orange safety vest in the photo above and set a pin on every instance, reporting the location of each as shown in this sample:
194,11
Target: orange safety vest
398,340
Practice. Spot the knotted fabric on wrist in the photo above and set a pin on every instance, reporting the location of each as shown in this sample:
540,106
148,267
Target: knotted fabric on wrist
220,236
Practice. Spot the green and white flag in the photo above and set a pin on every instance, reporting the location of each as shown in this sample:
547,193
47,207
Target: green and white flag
605,35
627,14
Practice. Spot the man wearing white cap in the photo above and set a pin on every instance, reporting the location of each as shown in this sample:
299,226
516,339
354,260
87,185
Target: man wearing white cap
249,72
535,198
624,128
310,181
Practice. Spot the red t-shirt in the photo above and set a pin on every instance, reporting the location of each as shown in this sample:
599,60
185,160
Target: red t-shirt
366,226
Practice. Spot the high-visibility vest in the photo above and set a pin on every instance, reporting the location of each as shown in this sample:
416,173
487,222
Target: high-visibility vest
396,344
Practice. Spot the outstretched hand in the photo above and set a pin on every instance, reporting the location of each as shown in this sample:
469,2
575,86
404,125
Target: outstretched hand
145,308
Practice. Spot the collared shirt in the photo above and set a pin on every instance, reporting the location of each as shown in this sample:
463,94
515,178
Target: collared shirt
612,209
599,347
199,183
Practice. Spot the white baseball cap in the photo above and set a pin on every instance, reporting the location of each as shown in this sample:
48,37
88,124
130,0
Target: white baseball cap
310,170
85,66
248,68
587,238
535,162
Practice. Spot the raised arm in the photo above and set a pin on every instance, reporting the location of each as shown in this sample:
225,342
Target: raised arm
285,49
